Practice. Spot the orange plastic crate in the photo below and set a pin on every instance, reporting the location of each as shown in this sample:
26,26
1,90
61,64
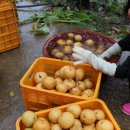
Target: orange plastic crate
91,104
37,99
9,2
15,10
9,33
5,2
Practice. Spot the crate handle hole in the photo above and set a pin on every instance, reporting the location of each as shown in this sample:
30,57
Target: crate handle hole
2,29
30,75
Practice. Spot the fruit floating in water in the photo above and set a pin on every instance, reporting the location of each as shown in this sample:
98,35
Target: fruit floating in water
61,42
78,37
89,42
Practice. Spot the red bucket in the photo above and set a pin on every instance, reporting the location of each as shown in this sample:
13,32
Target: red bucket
97,37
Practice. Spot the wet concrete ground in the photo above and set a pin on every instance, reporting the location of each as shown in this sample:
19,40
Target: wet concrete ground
14,64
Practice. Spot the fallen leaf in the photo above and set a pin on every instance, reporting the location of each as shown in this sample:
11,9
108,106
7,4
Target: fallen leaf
12,93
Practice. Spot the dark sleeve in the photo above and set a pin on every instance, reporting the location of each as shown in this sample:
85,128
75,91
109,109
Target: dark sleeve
125,43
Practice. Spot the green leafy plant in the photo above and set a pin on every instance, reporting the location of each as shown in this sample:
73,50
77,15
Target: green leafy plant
92,18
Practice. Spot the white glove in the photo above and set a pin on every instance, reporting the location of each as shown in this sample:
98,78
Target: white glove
113,50
79,57
86,56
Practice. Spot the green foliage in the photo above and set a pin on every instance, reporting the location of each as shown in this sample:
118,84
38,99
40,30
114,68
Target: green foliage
91,19
110,6
42,30
115,6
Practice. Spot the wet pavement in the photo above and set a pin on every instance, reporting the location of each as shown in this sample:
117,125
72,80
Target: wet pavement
14,64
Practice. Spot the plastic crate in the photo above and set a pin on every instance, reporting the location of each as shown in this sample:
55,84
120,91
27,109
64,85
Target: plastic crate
98,37
9,2
5,2
15,10
9,33
91,104
37,99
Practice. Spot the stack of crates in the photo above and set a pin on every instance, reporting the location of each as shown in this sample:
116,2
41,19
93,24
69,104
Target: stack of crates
9,33
90,104
42,100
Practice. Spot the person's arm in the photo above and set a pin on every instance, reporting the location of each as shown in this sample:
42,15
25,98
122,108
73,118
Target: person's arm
122,45
86,56
125,43
113,50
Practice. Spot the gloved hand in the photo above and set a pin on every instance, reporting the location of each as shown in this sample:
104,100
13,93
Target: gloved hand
79,55
113,50
86,56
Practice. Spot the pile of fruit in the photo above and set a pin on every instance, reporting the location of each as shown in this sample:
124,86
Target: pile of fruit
67,79
73,118
61,46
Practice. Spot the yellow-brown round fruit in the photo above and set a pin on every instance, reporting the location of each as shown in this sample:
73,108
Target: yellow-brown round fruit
57,74
78,37
59,55
69,72
104,124
88,83
84,96
28,118
79,74
69,42
89,42
58,80
49,82
77,122
70,83
62,71
99,114
66,58
70,35
39,86
87,93
81,85
61,88
87,116
99,51
75,91
76,127
74,109
67,50
28,129
78,44
41,124
101,46
54,114
56,127
92,125
39,77
61,42
53,90
54,51
51,124
66,120
88,128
